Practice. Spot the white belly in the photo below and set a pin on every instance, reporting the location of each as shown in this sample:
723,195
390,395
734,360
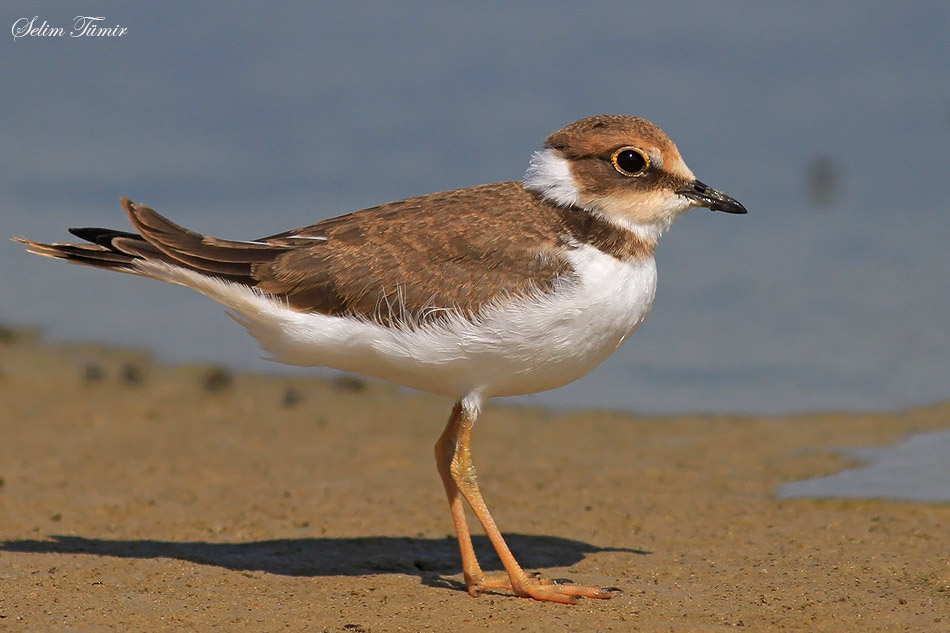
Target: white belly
524,346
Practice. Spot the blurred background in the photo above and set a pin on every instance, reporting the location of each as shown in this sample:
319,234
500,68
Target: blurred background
831,123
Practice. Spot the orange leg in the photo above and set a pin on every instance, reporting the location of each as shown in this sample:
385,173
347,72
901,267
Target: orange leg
453,457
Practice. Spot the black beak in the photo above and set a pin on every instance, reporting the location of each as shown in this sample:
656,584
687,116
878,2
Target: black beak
703,195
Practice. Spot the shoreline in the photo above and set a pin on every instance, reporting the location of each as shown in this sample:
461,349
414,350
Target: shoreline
137,495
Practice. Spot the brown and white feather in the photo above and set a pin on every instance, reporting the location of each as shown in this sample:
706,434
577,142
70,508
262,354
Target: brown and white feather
499,289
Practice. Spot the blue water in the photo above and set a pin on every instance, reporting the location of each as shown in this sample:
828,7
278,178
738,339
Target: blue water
916,469
832,125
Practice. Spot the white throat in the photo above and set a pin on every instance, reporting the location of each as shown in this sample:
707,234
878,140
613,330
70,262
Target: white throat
549,175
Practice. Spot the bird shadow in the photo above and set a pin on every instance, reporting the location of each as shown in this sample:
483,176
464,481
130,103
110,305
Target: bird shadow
430,559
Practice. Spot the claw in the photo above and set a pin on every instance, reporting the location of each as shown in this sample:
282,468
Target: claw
535,586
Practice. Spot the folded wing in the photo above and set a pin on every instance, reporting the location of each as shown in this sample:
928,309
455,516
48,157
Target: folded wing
406,262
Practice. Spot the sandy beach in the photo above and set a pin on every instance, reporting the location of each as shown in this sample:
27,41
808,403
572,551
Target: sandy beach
141,497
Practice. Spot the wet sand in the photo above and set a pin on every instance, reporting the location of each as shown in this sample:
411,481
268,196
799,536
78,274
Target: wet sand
141,497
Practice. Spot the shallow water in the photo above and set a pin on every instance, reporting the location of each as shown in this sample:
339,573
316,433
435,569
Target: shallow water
916,469
832,126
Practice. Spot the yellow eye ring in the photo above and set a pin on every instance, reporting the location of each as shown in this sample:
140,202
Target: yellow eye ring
630,161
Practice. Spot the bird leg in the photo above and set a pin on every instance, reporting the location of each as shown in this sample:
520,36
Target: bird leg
445,451
453,457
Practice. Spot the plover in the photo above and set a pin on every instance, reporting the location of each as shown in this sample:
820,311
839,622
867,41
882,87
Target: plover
496,290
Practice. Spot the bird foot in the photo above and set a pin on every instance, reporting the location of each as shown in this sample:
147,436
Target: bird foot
538,587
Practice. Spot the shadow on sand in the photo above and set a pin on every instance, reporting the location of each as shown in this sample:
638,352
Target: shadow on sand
426,558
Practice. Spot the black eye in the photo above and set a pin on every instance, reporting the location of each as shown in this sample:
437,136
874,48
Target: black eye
630,161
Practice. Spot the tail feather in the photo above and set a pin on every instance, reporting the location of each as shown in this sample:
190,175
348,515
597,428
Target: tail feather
85,254
160,240
178,241
101,236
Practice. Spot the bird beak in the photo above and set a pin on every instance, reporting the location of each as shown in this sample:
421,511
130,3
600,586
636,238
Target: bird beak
702,195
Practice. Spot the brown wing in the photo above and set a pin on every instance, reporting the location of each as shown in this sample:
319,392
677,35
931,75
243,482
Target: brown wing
412,260
403,262
407,261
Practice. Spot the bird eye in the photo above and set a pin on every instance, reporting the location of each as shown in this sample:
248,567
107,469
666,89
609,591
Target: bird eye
630,161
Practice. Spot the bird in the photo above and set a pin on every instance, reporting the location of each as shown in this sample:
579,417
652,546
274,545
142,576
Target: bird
493,290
